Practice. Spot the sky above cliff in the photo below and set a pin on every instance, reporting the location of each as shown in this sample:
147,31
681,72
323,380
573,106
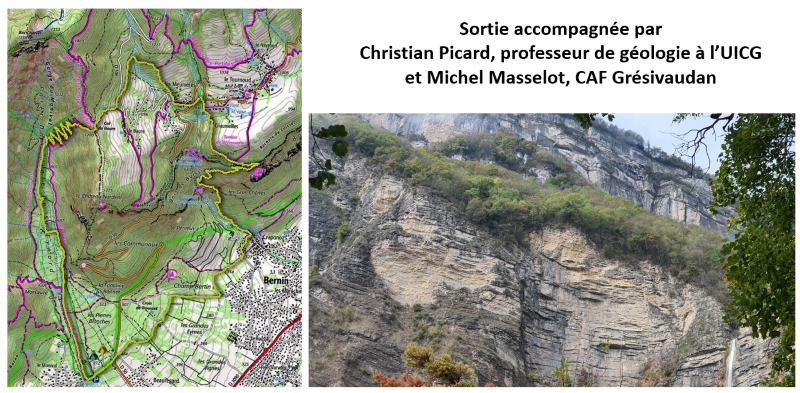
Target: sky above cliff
658,129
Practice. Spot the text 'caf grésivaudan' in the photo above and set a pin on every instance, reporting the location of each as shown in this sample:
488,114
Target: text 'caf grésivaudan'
550,78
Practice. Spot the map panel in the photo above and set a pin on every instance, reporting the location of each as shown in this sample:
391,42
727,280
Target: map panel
154,197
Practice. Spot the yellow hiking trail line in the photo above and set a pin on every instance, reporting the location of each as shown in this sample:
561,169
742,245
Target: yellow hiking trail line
60,134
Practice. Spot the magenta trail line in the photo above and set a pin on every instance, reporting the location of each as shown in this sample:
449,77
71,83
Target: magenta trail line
279,217
35,325
259,215
27,280
85,71
89,307
152,30
273,223
164,274
22,305
192,41
20,281
250,213
253,108
59,229
85,337
30,217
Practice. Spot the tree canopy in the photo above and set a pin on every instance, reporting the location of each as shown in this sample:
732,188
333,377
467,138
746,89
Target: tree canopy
757,174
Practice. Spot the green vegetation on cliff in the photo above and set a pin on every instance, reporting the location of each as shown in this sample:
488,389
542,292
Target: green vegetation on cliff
439,371
500,200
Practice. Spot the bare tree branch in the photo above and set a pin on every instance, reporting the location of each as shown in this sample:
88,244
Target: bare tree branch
693,141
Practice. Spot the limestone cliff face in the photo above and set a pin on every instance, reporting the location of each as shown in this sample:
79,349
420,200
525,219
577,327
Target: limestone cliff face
751,363
414,267
616,168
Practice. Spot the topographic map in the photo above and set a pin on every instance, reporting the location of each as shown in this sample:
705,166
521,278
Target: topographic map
154,197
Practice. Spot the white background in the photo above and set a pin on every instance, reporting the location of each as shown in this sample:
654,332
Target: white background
336,79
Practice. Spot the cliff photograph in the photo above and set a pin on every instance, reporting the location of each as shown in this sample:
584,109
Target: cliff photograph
552,250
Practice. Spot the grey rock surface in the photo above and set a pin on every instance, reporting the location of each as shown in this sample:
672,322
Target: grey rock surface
616,168
413,266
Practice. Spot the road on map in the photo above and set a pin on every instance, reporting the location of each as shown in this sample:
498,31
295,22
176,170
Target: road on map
285,328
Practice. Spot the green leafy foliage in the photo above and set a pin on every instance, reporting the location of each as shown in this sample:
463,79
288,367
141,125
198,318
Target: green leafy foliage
679,117
757,174
669,159
334,131
631,138
503,147
340,148
342,231
562,375
417,356
432,334
567,180
442,369
323,176
606,344
346,315
587,119
314,278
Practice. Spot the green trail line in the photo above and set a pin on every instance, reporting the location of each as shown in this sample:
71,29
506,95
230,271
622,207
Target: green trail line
12,375
274,211
24,123
289,260
64,41
122,293
197,26
195,233
63,132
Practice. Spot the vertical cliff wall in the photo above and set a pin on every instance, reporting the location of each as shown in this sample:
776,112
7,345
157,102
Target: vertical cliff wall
617,168
413,268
